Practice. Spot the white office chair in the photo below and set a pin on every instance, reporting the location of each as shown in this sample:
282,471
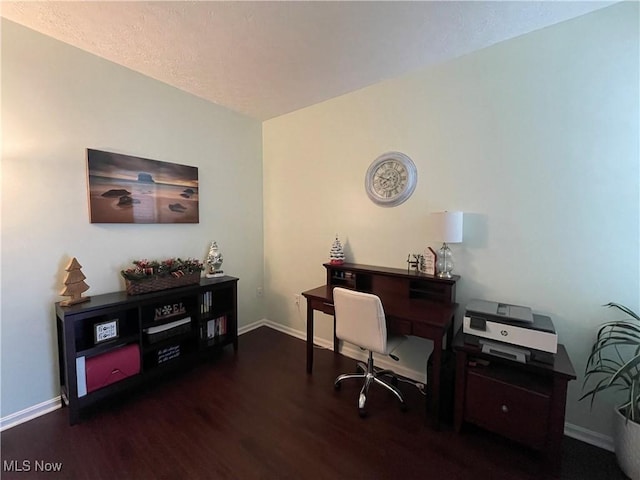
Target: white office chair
360,320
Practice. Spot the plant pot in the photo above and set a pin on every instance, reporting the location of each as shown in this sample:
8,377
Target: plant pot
626,438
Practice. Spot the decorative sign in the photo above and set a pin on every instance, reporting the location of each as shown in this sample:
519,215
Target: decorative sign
105,331
416,262
428,264
170,310
169,353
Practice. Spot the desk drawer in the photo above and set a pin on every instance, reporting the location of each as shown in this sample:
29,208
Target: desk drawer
426,331
324,307
518,413
399,326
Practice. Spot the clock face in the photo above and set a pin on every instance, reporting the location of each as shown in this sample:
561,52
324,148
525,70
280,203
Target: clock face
391,179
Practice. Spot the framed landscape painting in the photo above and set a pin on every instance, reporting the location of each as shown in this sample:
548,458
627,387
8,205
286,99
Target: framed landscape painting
126,189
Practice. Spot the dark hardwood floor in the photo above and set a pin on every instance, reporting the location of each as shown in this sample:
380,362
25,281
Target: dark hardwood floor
258,415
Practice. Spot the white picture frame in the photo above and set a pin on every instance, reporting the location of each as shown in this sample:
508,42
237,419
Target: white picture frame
105,331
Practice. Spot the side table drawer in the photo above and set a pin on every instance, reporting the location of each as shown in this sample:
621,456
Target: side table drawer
516,412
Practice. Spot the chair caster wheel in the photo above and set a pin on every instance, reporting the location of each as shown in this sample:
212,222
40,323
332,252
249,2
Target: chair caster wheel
362,412
337,386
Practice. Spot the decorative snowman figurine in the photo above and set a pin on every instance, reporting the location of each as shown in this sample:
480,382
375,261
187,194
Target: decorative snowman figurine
214,261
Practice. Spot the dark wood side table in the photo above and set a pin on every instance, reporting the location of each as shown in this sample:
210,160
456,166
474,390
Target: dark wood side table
523,402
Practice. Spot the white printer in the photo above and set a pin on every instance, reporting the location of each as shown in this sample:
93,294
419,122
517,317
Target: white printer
510,331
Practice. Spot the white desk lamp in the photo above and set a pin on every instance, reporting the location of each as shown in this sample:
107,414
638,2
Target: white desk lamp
446,228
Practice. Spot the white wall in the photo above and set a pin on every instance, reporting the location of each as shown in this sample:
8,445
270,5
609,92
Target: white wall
57,101
535,139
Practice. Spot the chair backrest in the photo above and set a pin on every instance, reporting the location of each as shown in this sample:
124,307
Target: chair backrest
360,319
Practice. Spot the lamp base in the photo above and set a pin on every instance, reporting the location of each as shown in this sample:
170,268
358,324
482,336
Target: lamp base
444,263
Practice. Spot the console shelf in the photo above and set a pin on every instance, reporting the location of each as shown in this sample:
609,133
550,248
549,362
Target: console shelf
132,355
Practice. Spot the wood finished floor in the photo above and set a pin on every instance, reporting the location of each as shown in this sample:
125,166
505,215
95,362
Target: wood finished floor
258,415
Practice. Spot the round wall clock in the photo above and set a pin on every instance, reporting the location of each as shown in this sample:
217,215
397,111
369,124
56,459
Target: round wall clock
391,179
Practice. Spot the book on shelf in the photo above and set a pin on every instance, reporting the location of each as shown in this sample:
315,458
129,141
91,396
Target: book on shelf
207,302
216,327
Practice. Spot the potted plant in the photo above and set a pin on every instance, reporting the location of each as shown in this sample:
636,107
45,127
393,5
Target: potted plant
614,363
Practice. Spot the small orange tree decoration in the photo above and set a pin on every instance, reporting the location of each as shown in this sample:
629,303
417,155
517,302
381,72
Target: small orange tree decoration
74,284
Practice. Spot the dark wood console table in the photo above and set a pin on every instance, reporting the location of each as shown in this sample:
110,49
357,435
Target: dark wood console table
151,335
414,304
523,402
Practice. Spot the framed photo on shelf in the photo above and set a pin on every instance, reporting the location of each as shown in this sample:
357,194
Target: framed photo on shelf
105,331
429,263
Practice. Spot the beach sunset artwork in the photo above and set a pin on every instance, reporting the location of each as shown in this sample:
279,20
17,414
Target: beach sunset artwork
126,189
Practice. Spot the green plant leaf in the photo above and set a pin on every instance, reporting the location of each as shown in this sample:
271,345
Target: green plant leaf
624,309
614,362
627,369
634,401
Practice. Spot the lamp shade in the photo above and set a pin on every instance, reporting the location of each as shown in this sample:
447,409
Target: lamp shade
446,227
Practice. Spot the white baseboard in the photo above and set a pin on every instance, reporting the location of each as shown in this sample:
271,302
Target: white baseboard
589,436
281,328
29,413
570,430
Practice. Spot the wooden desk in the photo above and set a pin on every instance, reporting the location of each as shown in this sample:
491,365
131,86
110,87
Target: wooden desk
414,304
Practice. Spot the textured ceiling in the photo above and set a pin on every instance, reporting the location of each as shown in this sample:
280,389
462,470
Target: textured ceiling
267,58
